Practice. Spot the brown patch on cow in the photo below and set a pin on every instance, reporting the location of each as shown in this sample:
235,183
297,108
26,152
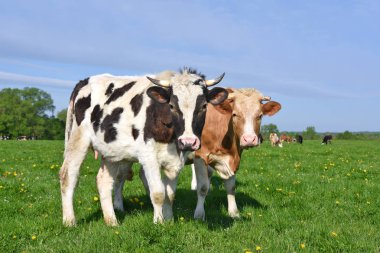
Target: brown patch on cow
158,198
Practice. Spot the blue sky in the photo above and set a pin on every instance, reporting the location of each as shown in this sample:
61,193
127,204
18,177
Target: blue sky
319,59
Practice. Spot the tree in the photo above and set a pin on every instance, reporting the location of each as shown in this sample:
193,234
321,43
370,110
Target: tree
266,130
24,112
61,115
310,133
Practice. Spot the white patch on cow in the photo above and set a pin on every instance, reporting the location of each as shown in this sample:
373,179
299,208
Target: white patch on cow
248,126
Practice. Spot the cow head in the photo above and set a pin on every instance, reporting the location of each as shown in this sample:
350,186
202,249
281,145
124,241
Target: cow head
185,97
247,110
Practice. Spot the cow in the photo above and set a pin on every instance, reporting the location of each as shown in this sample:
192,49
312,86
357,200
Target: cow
274,140
155,120
327,139
299,138
230,128
285,138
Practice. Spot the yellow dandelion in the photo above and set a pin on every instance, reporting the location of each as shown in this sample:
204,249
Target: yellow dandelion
15,173
337,202
247,251
34,237
258,248
14,237
333,234
249,214
96,199
1,187
3,160
117,232
181,218
302,245
34,165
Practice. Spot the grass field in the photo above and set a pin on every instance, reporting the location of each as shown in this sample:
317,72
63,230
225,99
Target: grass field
301,198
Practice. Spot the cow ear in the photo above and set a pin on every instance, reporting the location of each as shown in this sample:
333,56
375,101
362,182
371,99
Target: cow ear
217,95
159,94
271,108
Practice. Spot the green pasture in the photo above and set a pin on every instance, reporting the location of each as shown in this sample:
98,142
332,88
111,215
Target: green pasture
301,198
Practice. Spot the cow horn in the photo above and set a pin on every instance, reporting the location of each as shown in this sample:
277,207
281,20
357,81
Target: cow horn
265,98
214,81
162,83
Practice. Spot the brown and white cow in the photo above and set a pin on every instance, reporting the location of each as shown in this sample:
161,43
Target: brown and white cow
274,140
230,127
129,119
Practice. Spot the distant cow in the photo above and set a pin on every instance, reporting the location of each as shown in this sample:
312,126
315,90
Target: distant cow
299,139
285,138
128,119
274,140
261,138
327,139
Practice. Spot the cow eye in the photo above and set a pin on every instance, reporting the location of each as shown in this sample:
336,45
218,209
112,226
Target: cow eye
234,115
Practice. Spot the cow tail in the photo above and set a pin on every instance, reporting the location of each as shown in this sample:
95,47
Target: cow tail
69,122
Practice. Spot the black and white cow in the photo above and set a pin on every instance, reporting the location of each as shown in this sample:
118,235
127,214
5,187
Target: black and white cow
327,139
155,122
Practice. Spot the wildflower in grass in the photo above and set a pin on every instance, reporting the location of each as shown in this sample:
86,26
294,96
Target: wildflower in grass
249,214
34,237
15,173
3,160
117,232
247,251
258,248
368,203
52,167
136,200
14,237
96,199
302,245
1,187
141,203
337,202
333,234
181,218
34,165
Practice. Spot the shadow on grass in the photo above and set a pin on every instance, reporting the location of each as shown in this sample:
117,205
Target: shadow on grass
184,206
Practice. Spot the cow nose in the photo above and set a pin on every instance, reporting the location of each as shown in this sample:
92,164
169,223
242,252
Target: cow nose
188,143
248,140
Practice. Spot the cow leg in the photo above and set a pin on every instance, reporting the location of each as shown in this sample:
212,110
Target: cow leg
193,178
203,184
143,180
170,179
122,175
75,152
229,184
156,188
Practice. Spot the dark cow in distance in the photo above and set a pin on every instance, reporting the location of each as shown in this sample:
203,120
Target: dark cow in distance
299,139
327,139
155,120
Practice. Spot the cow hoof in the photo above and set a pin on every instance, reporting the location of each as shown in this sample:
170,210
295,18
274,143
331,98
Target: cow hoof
111,222
234,215
199,215
158,220
119,207
69,222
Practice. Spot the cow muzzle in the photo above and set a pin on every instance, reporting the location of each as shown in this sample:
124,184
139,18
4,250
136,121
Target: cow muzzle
188,143
249,140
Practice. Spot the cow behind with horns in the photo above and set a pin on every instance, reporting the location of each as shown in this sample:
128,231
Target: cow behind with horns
154,120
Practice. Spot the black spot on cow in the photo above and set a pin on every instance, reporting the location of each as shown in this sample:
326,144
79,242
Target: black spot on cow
164,122
135,132
192,71
109,89
77,88
199,116
136,103
108,124
96,116
119,92
80,108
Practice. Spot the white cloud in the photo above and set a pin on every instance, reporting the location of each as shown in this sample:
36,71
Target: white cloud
13,78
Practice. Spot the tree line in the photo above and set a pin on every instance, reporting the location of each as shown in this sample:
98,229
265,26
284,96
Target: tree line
30,112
